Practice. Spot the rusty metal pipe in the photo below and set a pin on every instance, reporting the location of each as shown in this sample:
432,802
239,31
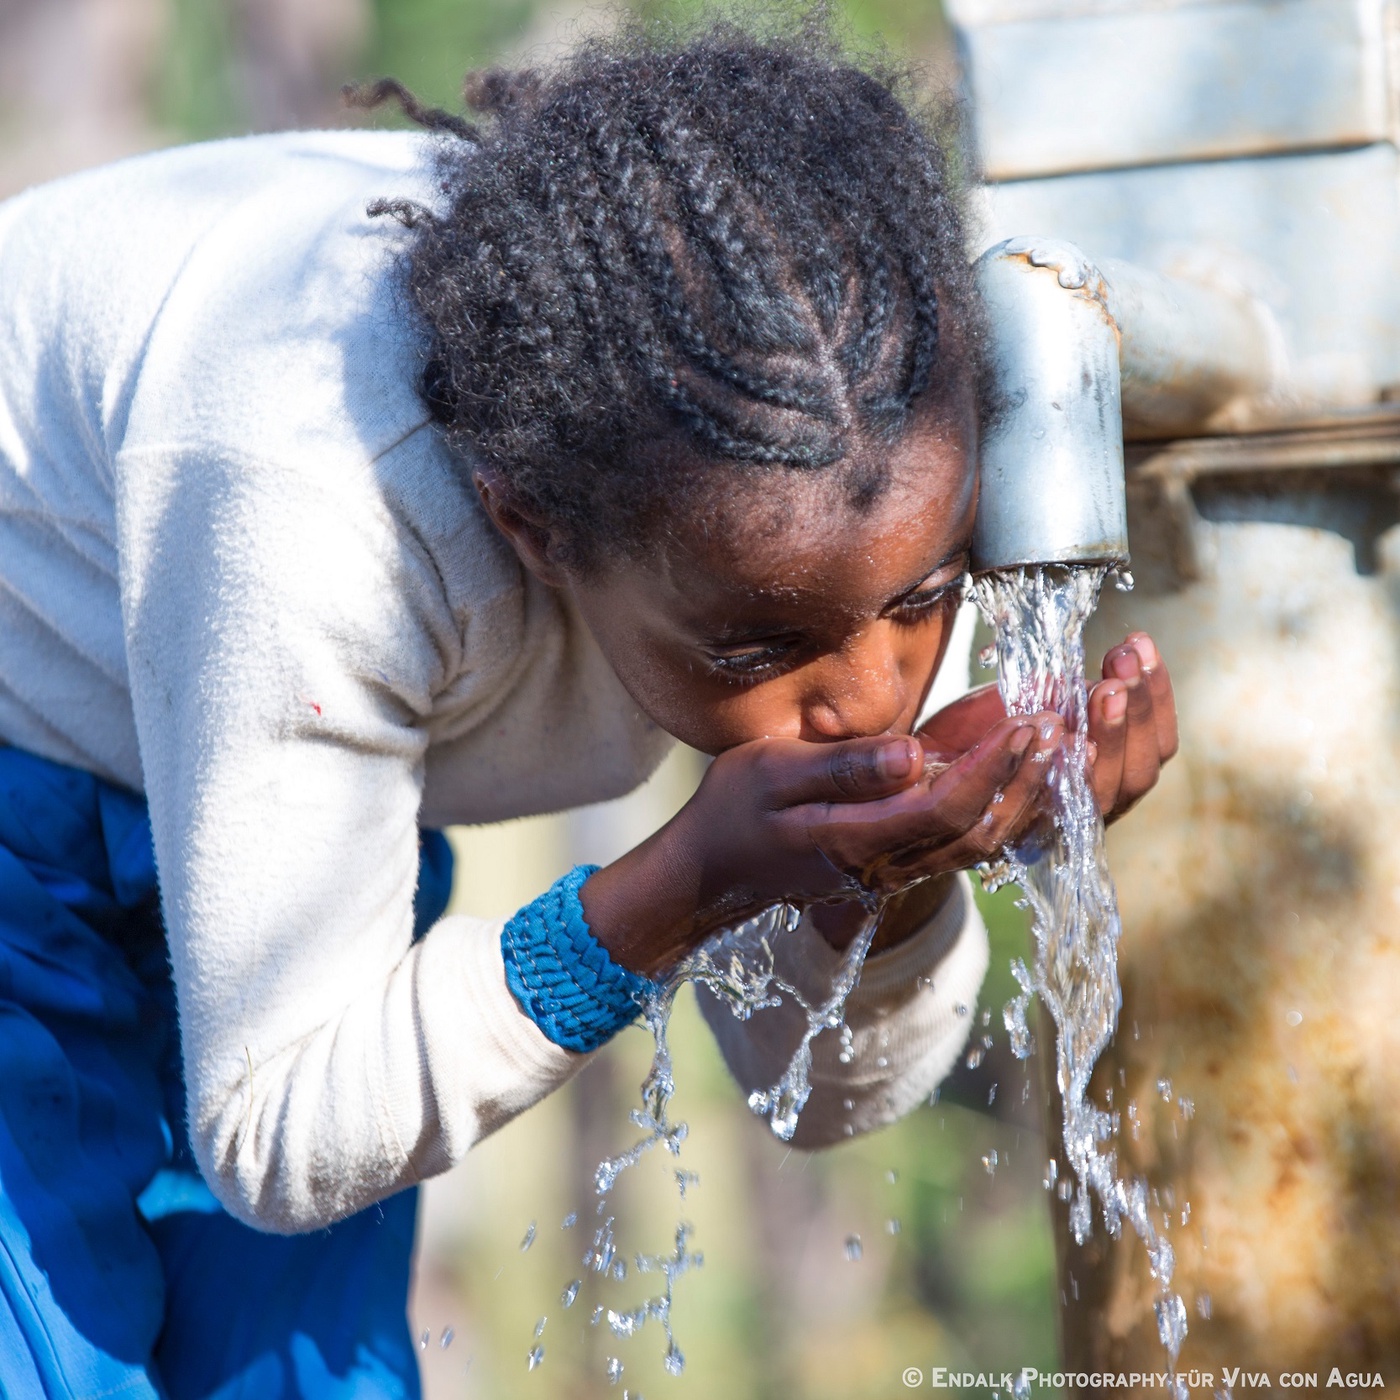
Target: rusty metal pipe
1078,352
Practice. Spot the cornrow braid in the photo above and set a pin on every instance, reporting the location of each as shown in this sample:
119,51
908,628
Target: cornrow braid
745,247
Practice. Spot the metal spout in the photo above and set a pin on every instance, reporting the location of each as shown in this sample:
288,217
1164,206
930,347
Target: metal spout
1077,350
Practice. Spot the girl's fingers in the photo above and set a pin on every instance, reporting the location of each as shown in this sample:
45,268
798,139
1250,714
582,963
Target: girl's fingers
1010,762
1159,684
1141,744
856,770
1108,731
1007,817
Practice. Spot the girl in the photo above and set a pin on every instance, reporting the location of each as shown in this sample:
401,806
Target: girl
650,415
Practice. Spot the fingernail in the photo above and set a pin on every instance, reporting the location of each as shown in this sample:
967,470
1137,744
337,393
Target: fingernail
1126,665
897,760
1115,706
1021,738
1146,650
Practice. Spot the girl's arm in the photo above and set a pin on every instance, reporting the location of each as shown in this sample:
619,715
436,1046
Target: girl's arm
286,641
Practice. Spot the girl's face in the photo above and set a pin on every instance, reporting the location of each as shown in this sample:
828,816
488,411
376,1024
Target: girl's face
781,610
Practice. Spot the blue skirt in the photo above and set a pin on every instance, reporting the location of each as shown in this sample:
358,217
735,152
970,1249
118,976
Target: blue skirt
120,1275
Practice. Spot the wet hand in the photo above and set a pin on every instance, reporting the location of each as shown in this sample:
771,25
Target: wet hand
970,801
786,819
1132,724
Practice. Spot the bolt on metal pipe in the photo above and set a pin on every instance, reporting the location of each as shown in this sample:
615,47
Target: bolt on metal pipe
1078,350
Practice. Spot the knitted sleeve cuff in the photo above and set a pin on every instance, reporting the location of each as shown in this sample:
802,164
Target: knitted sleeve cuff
561,976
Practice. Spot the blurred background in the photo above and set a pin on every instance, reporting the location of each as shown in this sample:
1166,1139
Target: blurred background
926,1245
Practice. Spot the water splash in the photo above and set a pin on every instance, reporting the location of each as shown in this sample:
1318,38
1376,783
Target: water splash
738,965
1038,616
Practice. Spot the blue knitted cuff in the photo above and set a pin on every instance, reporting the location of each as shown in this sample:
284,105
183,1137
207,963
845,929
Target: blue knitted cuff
561,976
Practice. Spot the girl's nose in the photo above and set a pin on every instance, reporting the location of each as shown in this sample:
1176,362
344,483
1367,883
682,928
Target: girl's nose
857,692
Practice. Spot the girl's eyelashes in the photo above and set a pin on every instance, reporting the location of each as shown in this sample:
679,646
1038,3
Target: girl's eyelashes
756,662
915,606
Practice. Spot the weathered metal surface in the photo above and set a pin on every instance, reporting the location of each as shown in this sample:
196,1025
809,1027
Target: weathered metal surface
1052,461
1074,87
1260,890
1313,237
1078,351
1191,355
1343,470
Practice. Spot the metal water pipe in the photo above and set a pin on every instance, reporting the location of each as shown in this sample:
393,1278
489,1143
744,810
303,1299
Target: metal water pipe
1080,352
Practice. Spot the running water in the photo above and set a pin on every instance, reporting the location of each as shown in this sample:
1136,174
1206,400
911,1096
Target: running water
1039,615
739,966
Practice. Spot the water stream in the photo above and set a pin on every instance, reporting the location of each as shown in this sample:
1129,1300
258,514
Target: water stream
739,966
1038,616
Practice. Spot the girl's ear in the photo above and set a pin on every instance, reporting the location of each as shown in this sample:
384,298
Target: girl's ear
536,544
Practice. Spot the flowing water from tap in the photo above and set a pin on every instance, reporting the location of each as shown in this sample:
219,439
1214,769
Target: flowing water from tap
1038,615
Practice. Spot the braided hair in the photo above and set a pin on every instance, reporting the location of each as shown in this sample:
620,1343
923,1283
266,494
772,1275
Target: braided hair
744,250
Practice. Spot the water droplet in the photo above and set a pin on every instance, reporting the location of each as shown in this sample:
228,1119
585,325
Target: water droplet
959,1008
1294,1018
536,1356
1203,1306
1052,1171
1020,1388
987,657
674,1360
570,1293
989,1162
539,1328
570,1220
975,1056
854,1248
424,1340
991,1095
848,1104
445,1340
891,1176
1164,1088
893,1226
882,1062
529,1238
614,1369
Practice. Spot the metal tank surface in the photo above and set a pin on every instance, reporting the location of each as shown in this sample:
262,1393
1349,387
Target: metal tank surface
1231,175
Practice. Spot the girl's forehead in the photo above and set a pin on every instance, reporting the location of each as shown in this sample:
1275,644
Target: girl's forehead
787,538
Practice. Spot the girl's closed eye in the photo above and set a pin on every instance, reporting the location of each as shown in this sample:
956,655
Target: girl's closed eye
751,661
928,598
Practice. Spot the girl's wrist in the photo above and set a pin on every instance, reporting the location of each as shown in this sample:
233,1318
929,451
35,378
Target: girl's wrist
641,907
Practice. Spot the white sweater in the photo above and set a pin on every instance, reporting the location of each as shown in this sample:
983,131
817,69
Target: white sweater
240,572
